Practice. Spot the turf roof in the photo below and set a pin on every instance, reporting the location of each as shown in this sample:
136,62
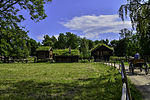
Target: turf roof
65,52
100,44
43,48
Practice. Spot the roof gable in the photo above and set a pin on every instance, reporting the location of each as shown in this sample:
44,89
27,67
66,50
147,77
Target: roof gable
100,45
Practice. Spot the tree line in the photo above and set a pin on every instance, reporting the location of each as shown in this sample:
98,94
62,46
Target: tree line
15,43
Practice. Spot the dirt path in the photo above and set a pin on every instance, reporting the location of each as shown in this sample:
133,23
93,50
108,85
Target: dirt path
141,81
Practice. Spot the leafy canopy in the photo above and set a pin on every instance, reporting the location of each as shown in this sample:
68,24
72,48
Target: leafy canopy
139,13
9,11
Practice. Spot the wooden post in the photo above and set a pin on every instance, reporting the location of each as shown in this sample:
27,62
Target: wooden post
114,65
35,59
111,63
126,80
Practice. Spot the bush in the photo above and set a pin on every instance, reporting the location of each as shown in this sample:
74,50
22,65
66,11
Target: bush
115,58
84,61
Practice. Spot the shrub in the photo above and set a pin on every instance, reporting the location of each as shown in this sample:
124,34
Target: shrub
84,61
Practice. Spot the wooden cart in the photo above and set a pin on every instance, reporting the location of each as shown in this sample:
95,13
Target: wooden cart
138,63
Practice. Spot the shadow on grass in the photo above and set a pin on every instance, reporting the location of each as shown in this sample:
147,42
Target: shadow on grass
100,88
106,87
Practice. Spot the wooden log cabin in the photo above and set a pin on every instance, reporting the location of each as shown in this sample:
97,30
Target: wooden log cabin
66,55
101,52
44,53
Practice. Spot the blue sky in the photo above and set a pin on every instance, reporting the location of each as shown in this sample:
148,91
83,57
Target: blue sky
93,19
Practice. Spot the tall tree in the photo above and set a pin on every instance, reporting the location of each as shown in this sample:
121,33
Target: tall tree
139,13
13,43
47,41
32,46
61,43
13,40
9,11
71,40
91,44
54,40
84,48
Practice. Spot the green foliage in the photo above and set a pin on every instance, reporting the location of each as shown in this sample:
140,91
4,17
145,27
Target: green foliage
43,48
128,44
47,41
61,43
71,40
115,58
96,42
84,61
9,11
91,44
54,41
13,43
65,52
84,48
32,46
13,39
98,45
135,93
139,13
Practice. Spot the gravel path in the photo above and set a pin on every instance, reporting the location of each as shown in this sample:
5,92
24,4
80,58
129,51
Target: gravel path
141,81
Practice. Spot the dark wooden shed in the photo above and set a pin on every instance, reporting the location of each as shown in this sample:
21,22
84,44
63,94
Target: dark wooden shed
66,55
101,52
44,53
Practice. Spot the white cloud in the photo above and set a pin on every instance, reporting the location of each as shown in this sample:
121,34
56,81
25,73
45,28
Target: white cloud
92,26
40,37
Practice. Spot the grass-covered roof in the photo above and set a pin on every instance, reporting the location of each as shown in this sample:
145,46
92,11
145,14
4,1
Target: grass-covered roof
65,52
43,48
101,44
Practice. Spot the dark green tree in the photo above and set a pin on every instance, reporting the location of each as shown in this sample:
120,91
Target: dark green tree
13,40
84,48
47,41
54,41
91,44
61,43
13,43
71,40
9,11
32,46
139,13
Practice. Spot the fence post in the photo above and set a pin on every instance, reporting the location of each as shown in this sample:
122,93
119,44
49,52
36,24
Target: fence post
111,63
126,80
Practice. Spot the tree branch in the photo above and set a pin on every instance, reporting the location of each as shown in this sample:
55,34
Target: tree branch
10,5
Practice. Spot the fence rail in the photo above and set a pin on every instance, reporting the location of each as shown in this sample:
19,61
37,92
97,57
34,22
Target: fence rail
126,95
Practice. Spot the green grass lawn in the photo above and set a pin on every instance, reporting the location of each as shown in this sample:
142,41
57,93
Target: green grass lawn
61,81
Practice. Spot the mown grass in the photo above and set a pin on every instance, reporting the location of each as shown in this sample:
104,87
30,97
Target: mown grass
61,81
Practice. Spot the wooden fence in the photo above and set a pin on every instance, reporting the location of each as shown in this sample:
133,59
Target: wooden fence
126,95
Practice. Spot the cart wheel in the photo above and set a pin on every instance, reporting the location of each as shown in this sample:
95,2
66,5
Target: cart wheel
130,67
140,69
146,69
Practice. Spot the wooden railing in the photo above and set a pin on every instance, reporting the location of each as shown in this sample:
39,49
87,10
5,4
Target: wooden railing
126,95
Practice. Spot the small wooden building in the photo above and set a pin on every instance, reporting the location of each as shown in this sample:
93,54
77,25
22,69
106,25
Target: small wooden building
44,53
66,55
101,52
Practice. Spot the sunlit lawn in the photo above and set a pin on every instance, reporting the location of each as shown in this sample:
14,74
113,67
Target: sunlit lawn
59,81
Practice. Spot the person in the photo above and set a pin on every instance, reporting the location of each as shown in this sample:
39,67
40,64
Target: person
137,56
